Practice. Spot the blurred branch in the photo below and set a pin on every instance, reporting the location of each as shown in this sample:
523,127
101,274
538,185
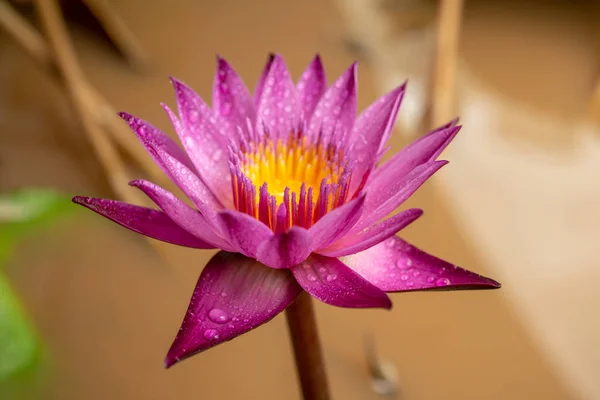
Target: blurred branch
118,32
99,108
445,66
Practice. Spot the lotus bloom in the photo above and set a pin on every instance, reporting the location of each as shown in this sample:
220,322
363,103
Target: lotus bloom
285,183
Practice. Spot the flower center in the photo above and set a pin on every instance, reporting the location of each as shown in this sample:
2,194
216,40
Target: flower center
287,182
290,164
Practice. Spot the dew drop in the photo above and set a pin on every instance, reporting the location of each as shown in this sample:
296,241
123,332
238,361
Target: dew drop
223,294
231,326
410,284
442,282
416,273
430,279
390,242
218,316
312,278
404,277
409,262
331,277
217,155
211,334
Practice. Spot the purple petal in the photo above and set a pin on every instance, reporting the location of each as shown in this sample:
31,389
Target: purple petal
397,266
371,130
335,113
148,135
278,107
190,184
379,203
373,235
336,223
332,282
182,214
311,86
148,222
263,78
284,250
231,98
197,116
425,149
234,295
244,232
203,142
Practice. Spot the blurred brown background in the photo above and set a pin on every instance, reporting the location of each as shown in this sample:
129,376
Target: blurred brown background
518,202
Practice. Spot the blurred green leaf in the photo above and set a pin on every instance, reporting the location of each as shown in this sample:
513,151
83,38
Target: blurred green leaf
18,343
25,211
21,213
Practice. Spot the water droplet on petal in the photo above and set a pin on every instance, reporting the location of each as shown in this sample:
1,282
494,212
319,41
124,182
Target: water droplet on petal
430,279
223,294
442,282
211,334
409,284
404,277
312,278
331,277
218,316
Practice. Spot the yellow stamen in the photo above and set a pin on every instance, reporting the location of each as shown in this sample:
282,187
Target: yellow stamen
289,164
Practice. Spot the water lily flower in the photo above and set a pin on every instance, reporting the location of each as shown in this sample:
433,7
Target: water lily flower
286,183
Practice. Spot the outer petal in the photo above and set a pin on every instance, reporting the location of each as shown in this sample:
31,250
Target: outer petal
336,111
231,98
332,282
263,78
148,222
335,224
203,142
284,250
373,235
182,214
190,184
149,136
379,204
278,107
311,86
234,295
244,232
425,149
397,266
371,130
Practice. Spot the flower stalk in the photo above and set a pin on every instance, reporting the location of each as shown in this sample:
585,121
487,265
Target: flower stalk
307,349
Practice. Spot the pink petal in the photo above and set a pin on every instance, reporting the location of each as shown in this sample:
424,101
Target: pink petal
284,250
397,266
263,78
332,282
278,107
234,295
379,203
148,222
373,235
148,135
231,98
371,130
190,184
182,214
203,141
335,113
311,86
244,232
336,223
423,150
